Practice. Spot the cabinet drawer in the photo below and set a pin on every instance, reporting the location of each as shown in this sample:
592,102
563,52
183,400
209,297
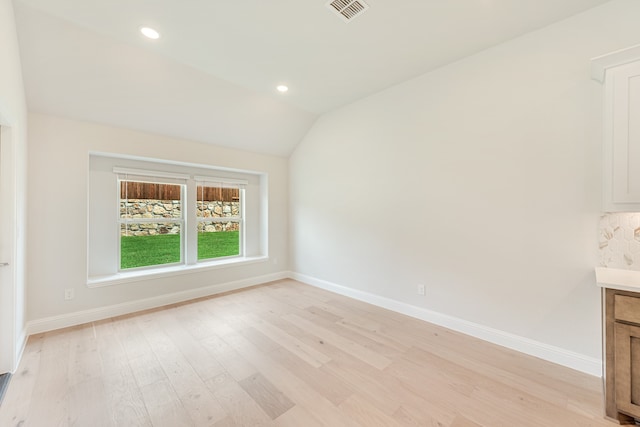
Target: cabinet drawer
627,308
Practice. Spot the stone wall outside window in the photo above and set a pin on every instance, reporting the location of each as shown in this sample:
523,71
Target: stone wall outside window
149,208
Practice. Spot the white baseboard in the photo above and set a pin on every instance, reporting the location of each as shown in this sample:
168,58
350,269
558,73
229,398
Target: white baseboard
579,362
72,319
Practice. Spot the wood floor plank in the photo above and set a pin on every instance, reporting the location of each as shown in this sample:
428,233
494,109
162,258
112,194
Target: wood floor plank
298,300
352,316
260,340
202,407
461,421
421,416
291,343
516,402
353,335
325,383
50,406
164,406
493,368
238,404
366,413
324,314
286,354
86,381
299,392
194,352
367,311
84,361
17,400
368,356
297,417
124,399
147,369
373,335
130,336
236,365
86,404
267,396
365,379
226,422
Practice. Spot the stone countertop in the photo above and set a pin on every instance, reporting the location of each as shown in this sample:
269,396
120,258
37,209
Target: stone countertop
616,278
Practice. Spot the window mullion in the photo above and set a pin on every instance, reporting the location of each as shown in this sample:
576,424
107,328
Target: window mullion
149,220
220,219
191,227
243,234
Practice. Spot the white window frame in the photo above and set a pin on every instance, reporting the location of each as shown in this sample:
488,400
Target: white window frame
208,181
152,177
103,243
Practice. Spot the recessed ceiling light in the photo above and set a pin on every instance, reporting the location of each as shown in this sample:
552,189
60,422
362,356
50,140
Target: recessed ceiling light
282,88
150,33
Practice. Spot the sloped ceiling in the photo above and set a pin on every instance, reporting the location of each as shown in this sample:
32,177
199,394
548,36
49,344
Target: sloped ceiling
211,77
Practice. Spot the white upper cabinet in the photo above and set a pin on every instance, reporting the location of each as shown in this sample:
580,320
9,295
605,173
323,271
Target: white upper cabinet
620,73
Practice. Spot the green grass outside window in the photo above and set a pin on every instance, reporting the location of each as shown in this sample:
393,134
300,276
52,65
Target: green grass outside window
143,251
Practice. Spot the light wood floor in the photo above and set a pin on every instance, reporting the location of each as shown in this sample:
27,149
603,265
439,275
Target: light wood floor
287,355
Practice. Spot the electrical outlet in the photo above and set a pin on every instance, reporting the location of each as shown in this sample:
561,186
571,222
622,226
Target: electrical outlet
69,294
421,290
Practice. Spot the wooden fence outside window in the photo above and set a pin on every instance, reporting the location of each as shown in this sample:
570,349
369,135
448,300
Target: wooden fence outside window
144,190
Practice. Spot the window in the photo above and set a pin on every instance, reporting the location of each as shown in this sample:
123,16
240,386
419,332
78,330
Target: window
219,215
146,215
151,218
151,223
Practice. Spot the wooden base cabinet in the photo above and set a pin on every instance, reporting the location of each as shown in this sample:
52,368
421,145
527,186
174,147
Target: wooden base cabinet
622,354
627,354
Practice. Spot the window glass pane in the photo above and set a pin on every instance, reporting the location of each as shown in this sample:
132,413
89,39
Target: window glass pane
218,239
148,236
149,200
146,244
217,202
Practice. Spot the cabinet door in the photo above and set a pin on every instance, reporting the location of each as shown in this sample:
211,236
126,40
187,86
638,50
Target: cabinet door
622,138
627,369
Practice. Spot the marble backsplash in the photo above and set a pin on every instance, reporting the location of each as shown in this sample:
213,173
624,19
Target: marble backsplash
619,240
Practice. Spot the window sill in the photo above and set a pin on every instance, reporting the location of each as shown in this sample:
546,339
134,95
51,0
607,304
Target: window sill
161,272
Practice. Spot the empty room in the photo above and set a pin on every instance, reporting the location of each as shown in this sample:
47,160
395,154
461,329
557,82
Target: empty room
305,213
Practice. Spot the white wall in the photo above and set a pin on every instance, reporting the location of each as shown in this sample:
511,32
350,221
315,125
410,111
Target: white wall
13,120
480,180
59,161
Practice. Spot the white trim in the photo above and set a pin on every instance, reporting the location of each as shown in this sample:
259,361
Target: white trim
600,64
131,276
22,345
579,362
8,250
149,173
219,180
126,220
219,219
173,162
80,317
103,259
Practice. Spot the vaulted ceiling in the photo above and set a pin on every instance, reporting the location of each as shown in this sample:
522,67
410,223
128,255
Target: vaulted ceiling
213,73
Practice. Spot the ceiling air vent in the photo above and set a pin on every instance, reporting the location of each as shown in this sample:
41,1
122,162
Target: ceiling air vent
347,9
